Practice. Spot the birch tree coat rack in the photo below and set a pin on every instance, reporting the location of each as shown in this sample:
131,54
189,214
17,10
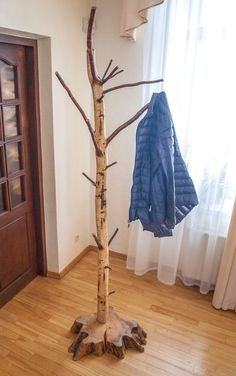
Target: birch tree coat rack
103,331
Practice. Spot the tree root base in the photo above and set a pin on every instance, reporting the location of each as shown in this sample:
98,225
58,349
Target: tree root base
114,337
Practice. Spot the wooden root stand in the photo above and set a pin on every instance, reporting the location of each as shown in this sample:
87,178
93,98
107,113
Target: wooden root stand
103,331
114,336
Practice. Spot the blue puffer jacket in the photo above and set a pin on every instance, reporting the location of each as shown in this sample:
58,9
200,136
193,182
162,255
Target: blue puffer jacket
163,192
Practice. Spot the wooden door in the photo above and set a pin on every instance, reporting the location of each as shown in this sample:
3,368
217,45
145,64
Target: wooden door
18,263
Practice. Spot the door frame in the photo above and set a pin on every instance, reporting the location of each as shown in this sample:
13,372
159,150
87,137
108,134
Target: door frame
31,51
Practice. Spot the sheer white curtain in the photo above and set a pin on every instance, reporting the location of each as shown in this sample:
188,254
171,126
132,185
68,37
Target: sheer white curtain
191,44
225,291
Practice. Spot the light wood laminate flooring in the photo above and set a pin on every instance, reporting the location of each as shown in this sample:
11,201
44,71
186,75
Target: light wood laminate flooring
186,335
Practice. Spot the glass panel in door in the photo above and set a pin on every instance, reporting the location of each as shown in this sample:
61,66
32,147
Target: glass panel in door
13,154
8,76
2,198
10,121
2,173
16,191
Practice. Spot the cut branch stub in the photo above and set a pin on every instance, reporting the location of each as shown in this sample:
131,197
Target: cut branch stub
113,236
107,69
110,74
111,164
97,242
115,74
107,267
91,181
100,99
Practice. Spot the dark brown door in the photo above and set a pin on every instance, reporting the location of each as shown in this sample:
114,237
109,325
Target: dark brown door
17,230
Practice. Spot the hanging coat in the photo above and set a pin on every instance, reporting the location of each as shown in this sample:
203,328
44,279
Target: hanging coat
163,192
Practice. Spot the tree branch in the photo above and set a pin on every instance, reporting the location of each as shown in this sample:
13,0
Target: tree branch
97,242
127,123
107,69
110,74
132,84
90,49
120,71
111,164
107,267
91,181
113,236
62,82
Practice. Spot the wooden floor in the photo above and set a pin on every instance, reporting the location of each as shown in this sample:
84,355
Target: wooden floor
186,336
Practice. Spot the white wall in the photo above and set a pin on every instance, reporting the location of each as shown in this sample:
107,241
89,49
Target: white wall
120,106
67,150
65,139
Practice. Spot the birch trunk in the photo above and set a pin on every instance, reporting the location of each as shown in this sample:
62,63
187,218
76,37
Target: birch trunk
103,331
101,207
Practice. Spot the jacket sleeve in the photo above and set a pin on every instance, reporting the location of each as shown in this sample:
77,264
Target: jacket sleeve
163,185
140,192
